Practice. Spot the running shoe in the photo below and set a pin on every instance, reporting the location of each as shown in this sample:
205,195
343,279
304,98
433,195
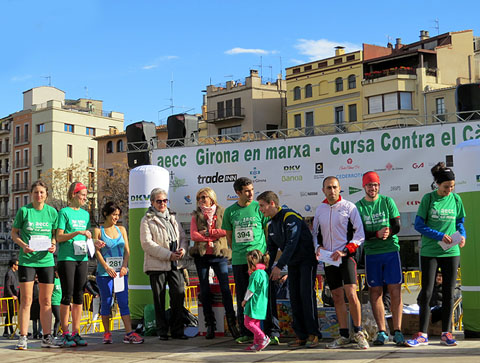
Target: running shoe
297,343
107,338
312,341
381,338
244,339
398,338
251,348
447,339
49,341
263,344
418,340
133,338
340,342
274,340
67,341
361,339
22,343
79,340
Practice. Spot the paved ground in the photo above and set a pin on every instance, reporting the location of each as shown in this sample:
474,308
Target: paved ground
225,350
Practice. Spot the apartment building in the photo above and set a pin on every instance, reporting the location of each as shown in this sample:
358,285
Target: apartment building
245,105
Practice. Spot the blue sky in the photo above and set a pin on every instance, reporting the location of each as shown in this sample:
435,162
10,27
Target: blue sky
127,52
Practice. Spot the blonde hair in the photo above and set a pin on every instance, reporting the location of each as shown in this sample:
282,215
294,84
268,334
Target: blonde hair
256,256
71,188
210,193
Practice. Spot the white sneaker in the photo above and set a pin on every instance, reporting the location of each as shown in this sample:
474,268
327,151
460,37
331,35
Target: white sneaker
340,342
22,343
49,342
361,340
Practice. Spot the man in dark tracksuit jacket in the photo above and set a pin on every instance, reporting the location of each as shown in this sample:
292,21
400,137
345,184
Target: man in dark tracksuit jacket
10,290
288,232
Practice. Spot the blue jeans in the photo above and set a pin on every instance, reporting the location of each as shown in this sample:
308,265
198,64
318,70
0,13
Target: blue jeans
220,267
241,276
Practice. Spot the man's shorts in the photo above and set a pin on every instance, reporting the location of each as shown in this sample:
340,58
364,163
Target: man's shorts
384,268
345,274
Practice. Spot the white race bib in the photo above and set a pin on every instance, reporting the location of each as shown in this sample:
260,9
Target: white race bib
243,234
79,248
114,262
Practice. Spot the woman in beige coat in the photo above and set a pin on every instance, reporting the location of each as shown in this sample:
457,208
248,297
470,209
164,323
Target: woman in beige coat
164,245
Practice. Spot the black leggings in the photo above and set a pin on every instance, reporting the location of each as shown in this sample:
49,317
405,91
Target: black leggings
56,314
449,266
73,276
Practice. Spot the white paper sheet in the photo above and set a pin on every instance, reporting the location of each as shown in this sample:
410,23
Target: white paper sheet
326,256
456,239
40,243
118,283
90,247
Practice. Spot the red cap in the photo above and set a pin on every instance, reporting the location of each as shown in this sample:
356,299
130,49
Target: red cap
78,187
370,177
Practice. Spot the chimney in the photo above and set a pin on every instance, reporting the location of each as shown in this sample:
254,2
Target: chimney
253,73
339,50
424,34
398,43
112,130
389,45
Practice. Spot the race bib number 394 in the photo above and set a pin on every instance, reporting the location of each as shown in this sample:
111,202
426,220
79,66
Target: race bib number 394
243,234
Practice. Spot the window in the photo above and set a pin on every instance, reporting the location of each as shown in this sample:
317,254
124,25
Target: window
229,108
39,174
17,204
109,147
352,112
350,57
68,128
237,104
322,64
439,106
1,146
352,81
337,61
234,132
296,93
339,84
38,159
90,131
110,172
220,110
307,68
26,180
7,145
297,121
17,159
69,176
119,146
323,87
309,123
91,181
69,151
338,115
40,128
25,199
17,134
406,101
26,129
390,102
25,157
296,70
91,159
308,91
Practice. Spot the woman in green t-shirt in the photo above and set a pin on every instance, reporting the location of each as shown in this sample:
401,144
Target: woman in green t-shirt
33,230
440,215
72,235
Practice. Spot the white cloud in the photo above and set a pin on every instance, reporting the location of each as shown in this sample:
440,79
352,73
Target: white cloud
156,62
297,61
21,78
235,51
322,48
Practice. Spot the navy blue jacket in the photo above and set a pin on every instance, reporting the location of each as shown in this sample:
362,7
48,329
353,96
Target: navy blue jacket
288,232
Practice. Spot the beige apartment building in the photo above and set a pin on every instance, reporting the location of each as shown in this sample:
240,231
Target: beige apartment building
244,106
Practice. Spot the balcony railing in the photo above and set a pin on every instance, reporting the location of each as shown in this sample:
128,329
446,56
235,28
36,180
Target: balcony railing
226,114
4,171
21,140
38,160
390,72
20,187
21,164
4,191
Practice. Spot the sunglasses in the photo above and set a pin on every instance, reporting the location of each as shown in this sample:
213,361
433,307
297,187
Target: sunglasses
203,197
159,201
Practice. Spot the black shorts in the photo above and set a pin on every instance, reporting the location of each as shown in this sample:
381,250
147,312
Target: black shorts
344,274
45,274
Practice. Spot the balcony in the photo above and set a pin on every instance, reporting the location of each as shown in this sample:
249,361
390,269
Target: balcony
390,72
4,171
38,160
4,192
19,187
226,114
5,151
20,164
21,140
4,131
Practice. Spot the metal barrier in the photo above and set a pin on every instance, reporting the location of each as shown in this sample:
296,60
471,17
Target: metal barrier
5,312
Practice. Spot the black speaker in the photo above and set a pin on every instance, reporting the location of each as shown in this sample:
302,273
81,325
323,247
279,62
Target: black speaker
467,97
180,128
139,137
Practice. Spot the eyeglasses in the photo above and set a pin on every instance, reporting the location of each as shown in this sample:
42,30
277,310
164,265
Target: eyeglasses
202,197
160,201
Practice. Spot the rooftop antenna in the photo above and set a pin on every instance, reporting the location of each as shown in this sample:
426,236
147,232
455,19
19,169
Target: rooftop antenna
49,80
389,38
172,106
281,67
86,92
437,26
261,67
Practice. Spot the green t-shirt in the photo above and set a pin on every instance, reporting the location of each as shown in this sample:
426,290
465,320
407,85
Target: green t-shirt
376,215
57,292
256,306
440,214
71,220
247,225
32,222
